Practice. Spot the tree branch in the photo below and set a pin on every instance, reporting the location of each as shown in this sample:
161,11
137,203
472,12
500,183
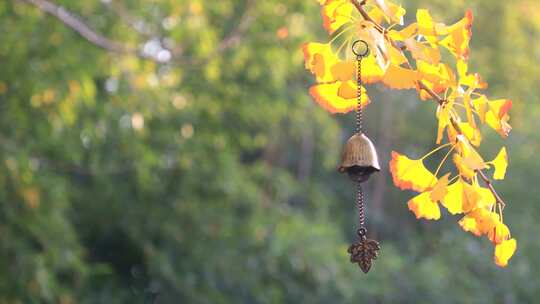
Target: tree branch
70,20
76,24
441,101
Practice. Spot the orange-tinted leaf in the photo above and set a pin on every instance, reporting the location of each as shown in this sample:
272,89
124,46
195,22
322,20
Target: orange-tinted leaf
499,124
410,173
338,97
499,233
459,35
505,251
424,207
343,70
500,107
397,77
479,221
440,189
500,163
438,77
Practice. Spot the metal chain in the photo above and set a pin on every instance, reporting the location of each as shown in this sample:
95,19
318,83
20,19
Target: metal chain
359,109
362,231
360,206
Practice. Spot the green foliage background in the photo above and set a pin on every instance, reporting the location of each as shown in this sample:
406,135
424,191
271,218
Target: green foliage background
212,178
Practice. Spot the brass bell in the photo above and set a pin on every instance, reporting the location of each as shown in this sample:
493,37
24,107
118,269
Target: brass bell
359,159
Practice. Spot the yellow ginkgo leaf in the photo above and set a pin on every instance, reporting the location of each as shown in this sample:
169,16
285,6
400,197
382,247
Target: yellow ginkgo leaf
371,71
426,26
500,163
410,174
338,97
504,251
440,189
336,13
462,197
453,200
319,59
424,207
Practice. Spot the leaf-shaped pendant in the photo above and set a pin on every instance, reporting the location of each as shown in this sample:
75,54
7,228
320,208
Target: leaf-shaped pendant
364,252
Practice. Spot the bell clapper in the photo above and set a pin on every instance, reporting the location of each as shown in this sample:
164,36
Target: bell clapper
360,161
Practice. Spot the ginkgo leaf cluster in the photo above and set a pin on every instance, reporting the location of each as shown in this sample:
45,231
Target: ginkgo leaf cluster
410,56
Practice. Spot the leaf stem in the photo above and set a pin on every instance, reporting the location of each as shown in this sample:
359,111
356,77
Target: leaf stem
444,160
435,151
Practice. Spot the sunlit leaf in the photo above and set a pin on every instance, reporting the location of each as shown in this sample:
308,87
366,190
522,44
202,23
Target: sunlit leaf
479,221
338,97
410,174
440,189
500,163
499,233
397,77
319,59
344,70
424,207
336,13
504,252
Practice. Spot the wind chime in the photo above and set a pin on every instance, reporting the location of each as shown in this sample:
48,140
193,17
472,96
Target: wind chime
359,161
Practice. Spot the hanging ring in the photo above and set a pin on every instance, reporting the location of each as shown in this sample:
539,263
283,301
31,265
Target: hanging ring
360,48
362,231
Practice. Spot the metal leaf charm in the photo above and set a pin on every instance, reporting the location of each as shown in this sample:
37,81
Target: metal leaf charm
364,252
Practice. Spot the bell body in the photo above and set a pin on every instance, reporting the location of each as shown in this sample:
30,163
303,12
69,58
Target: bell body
359,159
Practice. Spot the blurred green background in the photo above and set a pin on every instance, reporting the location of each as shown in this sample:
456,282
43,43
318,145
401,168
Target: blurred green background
189,164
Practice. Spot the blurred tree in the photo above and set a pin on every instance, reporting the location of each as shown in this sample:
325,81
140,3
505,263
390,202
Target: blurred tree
181,156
